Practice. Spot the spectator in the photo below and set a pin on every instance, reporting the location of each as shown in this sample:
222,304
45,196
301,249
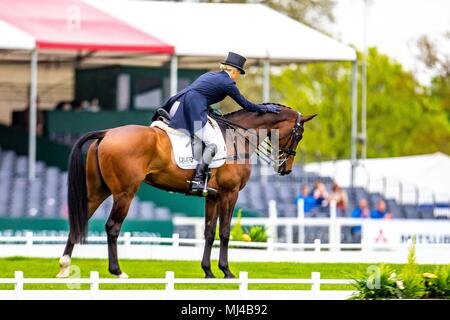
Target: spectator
380,212
63,106
320,193
361,212
308,200
340,196
94,105
75,105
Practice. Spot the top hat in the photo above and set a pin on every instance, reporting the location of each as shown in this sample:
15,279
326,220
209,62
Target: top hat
236,61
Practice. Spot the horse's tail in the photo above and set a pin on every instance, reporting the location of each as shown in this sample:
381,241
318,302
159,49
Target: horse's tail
77,189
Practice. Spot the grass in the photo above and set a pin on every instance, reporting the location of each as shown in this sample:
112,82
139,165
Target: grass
48,268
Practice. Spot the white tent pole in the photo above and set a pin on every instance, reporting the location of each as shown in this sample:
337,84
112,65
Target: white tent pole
266,80
173,75
266,96
354,136
32,117
364,87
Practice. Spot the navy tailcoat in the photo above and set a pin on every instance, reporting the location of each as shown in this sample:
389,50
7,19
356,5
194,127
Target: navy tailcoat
195,99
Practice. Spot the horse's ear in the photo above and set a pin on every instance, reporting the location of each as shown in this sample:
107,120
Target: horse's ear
307,118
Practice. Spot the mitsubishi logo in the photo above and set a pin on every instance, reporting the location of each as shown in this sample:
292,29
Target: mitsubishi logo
380,237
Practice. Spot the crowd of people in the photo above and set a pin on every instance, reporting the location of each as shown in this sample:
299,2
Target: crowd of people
317,200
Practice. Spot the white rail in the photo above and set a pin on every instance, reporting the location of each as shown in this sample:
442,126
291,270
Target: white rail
30,239
170,291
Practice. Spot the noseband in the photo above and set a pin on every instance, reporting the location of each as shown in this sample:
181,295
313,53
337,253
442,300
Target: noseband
297,131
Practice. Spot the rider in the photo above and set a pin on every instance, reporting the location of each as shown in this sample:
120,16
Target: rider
189,110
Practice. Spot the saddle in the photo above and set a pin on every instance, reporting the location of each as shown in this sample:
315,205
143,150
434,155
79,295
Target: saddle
184,146
163,115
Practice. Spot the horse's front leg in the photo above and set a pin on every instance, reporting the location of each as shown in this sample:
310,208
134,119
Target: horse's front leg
210,233
227,203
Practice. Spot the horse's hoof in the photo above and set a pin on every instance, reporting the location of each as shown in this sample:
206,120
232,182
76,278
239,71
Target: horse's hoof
209,276
64,273
229,276
123,275
64,265
64,261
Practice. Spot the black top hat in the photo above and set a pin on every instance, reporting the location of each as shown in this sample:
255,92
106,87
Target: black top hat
236,61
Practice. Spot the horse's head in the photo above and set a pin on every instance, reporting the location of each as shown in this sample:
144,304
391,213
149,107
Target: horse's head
290,132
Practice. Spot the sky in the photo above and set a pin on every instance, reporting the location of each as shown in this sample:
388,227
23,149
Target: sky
394,27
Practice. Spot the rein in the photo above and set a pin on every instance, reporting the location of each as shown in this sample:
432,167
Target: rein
265,152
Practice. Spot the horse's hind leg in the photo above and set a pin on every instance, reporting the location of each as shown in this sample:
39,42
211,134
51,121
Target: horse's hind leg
227,203
97,193
118,213
211,215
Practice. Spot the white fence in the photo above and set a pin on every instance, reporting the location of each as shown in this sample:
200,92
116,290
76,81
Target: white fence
433,228
176,248
29,239
95,293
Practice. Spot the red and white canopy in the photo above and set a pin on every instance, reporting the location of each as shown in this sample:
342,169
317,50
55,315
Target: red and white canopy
72,25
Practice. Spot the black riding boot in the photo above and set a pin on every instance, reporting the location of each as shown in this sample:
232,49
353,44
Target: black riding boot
199,184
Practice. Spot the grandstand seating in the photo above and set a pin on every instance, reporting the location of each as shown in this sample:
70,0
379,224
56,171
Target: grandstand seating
46,196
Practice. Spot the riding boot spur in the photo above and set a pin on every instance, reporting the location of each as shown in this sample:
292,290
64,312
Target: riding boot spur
199,183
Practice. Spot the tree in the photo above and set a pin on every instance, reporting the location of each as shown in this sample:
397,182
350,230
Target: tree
438,62
403,118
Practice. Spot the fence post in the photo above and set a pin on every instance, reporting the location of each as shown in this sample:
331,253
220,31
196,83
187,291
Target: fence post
301,220
273,218
29,238
269,244
243,281
333,228
175,239
317,245
199,230
315,286
170,279
127,239
94,280
18,281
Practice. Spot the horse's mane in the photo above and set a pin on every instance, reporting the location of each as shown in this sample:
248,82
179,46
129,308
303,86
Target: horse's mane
265,103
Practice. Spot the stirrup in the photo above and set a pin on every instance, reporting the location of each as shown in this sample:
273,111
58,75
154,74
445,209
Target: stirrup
204,192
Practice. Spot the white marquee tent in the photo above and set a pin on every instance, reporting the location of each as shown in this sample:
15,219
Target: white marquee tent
207,31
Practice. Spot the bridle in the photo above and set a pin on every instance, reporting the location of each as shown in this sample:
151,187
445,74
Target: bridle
285,153
266,153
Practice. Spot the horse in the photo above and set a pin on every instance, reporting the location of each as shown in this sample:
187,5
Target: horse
121,158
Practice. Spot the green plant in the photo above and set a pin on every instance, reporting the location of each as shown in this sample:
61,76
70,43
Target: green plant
437,284
380,282
237,231
257,233
410,274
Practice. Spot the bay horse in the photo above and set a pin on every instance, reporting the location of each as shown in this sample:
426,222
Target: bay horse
121,158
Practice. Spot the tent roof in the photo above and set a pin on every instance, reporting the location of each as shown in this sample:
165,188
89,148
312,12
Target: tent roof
207,31
70,24
13,38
